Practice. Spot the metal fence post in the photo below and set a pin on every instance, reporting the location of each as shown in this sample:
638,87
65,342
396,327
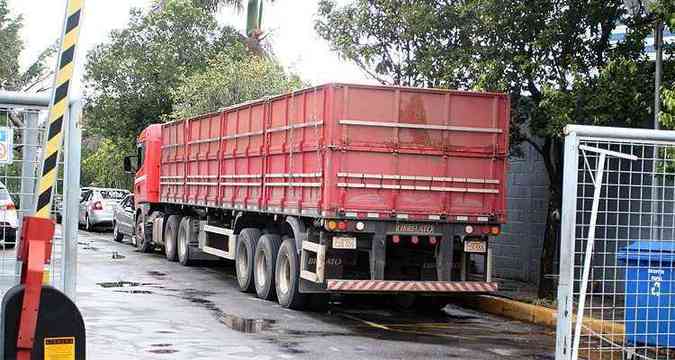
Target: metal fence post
71,197
567,239
29,163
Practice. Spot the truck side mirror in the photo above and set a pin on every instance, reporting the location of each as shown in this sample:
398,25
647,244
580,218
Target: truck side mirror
129,166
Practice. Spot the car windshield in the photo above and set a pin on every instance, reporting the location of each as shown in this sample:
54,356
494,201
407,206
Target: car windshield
113,194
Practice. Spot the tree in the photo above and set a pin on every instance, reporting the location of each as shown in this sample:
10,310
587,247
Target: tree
129,80
232,77
254,35
103,166
556,59
11,46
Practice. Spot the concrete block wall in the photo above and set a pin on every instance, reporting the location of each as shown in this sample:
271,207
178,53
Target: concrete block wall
517,250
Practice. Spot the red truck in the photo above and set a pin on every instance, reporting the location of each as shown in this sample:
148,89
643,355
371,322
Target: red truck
336,188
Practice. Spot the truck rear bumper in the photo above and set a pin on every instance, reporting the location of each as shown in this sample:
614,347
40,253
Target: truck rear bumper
379,286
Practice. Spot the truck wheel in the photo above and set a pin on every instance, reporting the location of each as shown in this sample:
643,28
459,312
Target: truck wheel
170,235
117,235
264,263
142,240
183,242
287,276
243,259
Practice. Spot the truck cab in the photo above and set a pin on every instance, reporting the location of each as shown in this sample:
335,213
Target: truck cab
146,181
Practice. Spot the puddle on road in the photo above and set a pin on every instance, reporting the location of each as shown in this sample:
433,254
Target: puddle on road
134,291
114,284
237,323
162,351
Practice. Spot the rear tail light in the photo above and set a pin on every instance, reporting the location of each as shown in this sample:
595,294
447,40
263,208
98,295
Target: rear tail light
331,225
468,229
495,230
97,206
432,240
342,225
396,239
414,240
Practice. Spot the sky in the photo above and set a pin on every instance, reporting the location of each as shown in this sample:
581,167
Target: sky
289,24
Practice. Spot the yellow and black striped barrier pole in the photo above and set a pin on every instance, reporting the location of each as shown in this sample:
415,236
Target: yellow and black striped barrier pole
58,108
37,233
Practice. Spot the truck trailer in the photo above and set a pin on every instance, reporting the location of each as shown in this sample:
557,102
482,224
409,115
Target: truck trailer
337,188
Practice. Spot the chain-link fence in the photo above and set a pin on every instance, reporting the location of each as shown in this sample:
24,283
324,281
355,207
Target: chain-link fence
22,136
618,245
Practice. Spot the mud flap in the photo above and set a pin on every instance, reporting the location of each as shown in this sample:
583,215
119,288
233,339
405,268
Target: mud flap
59,328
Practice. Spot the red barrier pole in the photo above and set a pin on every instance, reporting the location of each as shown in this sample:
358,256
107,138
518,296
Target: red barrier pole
35,251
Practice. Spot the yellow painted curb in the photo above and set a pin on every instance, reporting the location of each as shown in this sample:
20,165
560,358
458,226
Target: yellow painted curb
536,314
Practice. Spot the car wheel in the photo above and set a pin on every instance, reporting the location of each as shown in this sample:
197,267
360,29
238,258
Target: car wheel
287,276
117,236
264,263
142,241
170,235
87,224
243,258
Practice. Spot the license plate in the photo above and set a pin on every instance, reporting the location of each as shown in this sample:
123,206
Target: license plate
415,228
475,247
344,242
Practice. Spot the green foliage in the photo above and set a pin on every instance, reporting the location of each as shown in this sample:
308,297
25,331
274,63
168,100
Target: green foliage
103,166
129,80
232,77
556,53
11,46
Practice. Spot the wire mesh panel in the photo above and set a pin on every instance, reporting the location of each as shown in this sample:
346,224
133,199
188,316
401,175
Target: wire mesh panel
22,132
617,275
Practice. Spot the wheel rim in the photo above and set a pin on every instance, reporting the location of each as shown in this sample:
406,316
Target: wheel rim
242,263
284,275
182,245
261,270
168,245
140,236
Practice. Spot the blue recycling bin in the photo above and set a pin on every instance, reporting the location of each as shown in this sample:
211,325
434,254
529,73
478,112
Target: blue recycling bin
649,299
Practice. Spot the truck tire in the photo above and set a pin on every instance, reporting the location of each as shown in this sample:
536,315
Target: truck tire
170,236
264,261
183,242
287,276
143,242
243,258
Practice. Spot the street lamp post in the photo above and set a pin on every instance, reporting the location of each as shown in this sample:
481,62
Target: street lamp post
636,7
658,75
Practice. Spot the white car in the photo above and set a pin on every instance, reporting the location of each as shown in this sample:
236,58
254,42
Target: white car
97,205
9,221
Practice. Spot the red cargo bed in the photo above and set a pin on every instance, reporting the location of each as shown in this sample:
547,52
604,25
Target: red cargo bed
346,150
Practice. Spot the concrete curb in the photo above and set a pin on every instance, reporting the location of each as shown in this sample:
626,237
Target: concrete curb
536,314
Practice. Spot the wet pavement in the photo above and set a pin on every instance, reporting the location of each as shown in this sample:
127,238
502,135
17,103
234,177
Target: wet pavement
140,306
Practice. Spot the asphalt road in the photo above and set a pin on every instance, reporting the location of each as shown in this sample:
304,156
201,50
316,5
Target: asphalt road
140,306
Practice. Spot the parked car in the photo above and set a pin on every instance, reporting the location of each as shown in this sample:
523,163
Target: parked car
9,221
123,219
97,206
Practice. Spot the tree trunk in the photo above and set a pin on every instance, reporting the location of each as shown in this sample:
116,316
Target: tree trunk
547,283
553,160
